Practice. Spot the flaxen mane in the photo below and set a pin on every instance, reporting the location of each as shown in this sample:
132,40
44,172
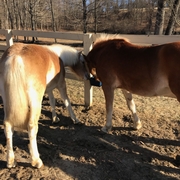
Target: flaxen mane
108,37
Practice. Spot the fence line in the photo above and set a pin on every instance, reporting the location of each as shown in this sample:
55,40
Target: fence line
148,40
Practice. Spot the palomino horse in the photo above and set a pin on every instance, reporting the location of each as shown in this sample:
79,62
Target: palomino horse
26,73
147,71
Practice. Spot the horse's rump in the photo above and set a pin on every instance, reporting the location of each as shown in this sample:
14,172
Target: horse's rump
25,70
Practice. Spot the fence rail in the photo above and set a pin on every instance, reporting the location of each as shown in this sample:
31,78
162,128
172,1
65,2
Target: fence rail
148,39
87,40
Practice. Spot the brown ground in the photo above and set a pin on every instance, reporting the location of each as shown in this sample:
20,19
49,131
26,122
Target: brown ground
83,152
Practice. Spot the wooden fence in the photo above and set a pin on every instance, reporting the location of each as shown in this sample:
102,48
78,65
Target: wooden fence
87,40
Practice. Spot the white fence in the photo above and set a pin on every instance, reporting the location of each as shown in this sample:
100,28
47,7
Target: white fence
87,40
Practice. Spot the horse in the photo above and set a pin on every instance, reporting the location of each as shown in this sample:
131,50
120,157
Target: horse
135,69
27,71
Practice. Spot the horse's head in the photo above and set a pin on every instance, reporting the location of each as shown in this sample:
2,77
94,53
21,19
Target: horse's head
90,66
80,68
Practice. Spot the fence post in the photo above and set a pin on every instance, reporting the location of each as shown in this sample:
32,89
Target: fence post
88,89
9,39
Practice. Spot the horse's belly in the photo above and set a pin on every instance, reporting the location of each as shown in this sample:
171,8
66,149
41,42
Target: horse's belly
158,87
158,90
164,92
161,87
154,92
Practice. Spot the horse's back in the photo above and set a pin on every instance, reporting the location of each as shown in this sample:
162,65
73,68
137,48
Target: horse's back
122,60
38,62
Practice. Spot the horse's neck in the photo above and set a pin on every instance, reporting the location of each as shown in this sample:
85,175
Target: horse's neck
69,58
68,55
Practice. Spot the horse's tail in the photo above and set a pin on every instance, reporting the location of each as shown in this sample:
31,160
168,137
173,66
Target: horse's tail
15,95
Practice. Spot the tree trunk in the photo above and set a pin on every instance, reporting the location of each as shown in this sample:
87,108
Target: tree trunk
160,18
84,16
95,17
31,6
52,15
150,16
10,15
6,24
15,5
172,18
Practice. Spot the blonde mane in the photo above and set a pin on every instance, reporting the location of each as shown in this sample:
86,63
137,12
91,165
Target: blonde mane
106,37
68,54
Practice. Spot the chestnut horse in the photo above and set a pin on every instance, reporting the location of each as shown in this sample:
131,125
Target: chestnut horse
26,73
142,70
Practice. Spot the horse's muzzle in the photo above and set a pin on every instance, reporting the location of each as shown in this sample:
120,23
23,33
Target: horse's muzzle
95,82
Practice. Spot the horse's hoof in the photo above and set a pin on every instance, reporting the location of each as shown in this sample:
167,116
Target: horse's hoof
56,120
79,123
11,164
37,163
137,125
106,130
177,160
76,121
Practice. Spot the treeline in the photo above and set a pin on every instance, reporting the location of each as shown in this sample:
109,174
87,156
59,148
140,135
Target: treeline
111,16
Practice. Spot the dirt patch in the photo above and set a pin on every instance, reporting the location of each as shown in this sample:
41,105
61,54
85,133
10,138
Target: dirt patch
83,152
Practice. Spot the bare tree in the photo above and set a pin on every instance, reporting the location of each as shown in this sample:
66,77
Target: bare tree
16,13
173,17
8,6
160,17
95,16
84,16
31,10
5,13
116,16
52,14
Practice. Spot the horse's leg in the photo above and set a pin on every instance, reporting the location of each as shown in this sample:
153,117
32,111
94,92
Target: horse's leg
132,107
55,119
35,110
63,92
8,130
109,97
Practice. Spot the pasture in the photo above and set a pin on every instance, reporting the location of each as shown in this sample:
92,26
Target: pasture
83,152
